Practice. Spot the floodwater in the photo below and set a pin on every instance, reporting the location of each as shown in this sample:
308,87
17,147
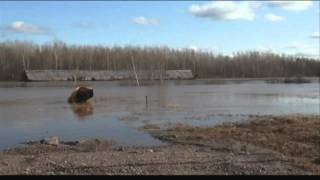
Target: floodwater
36,110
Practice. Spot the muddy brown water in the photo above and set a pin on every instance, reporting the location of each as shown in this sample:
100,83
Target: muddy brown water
36,110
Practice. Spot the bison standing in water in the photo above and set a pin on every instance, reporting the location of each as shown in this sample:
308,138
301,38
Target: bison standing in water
81,94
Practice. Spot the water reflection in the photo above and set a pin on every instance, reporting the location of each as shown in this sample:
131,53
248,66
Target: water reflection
82,110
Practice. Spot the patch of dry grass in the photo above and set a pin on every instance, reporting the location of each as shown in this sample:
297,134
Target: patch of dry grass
295,136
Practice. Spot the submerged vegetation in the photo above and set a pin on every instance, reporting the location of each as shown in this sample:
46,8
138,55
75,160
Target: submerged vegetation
17,56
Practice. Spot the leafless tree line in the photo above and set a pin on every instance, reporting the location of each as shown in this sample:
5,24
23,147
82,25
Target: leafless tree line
17,56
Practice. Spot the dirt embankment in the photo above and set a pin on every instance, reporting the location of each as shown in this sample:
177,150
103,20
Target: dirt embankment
265,145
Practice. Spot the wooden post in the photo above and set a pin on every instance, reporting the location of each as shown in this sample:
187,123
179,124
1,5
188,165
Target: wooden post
56,59
23,62
134,70
319,86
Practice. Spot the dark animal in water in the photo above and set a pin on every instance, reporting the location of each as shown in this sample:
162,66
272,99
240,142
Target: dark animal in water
81,94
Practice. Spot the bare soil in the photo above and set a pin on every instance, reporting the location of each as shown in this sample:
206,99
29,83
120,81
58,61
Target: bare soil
264,145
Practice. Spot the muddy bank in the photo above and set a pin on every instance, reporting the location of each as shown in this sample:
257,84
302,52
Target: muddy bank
264,145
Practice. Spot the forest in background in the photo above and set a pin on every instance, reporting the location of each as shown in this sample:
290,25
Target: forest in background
17,56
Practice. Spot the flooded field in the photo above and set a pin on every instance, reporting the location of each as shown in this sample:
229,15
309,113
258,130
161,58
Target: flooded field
36,110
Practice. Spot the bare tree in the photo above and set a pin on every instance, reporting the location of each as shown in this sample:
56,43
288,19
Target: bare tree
15,57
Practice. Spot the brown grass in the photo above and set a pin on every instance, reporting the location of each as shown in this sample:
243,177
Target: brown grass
296,136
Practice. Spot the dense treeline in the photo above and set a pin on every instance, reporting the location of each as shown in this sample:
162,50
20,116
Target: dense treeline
16,56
